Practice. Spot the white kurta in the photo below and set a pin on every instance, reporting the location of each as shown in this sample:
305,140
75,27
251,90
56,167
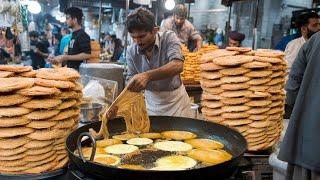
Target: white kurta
169,103
292,50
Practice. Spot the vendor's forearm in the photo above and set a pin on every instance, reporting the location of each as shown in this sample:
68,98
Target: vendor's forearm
77,57
171,69
198,43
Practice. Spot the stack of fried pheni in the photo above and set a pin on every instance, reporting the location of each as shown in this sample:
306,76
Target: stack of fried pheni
191,67
244,89
38,110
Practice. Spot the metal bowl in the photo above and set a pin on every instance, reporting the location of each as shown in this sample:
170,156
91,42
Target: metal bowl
90,112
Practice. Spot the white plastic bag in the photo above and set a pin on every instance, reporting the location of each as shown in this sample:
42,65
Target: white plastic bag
94,91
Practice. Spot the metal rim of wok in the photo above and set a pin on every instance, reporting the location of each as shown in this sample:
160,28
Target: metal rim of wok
234,143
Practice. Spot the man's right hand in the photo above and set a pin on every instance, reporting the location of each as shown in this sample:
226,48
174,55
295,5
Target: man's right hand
138,82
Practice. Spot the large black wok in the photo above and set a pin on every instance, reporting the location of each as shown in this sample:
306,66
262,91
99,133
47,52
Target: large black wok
233,141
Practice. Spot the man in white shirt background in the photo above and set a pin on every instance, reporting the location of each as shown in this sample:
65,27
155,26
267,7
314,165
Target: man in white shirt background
308,24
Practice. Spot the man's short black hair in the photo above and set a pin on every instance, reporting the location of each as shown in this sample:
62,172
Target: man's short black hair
180,10
75,12
140,19
303,19
34,34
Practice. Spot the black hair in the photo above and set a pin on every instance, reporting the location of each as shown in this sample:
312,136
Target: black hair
180,10
75,12
34,34
140,19
303,19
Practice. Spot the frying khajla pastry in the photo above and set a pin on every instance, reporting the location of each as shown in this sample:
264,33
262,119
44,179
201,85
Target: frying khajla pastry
129,105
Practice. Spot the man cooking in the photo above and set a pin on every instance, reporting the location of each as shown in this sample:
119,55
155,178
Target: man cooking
154,63
183,28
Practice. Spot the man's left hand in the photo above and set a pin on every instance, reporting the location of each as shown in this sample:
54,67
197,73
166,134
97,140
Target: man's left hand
138,82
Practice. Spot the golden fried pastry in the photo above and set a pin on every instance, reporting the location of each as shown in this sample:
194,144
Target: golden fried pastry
5,74
172,146
258,81
44,161
235,115
15,131
121,149
234,101
178,135
39,91
106,159
29,74
46,134
63,74
234,94
151,135
235,108
207,96
11,158
13,99
86,151
216,90
54,83
210,66
14,142
260,88
67,104
239,49
211,104
255,64
269,53
15,83
211,157
13,121
211,112
67,95
214,118
233,60
41,103
62,163
241,128
258,73
64,124
274,81
124,137
258,103
41,168
15,68
258,117
67,113
234,79
210,83
175,162
234,71
41,124
237,122
210,75
107,142
13,111
38,144
41,114
11,152
204,144
258,110
234,86
37,151
259,124
267,59
78,87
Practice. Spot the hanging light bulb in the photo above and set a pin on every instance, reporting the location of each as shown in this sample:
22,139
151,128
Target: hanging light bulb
169,4
34,7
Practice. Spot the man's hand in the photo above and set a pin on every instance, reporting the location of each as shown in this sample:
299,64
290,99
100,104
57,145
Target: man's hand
138,82
57,59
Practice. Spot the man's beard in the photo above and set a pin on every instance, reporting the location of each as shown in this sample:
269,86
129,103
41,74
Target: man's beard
310,33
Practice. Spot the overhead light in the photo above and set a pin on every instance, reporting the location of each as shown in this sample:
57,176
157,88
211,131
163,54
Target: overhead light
169,4
142,2
34,7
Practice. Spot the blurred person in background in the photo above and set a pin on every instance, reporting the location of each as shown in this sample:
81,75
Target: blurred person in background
66,36
57,43
183,28
38,51
117,49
